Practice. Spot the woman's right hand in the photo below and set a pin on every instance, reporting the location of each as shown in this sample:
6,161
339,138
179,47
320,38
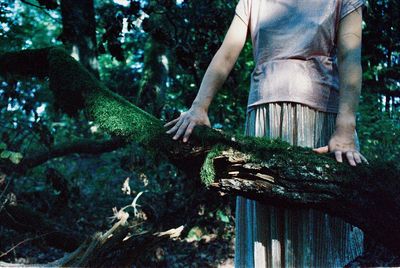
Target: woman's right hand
185,123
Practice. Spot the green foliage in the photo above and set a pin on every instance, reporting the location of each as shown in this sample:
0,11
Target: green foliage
14,157
221,215
381,54
164,49
195,234
3,146
379,133
76,88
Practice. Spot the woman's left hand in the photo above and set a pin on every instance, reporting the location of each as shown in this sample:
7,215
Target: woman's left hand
343,144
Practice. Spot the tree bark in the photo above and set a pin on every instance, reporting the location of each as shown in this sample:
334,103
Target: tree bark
151,94
79,32
270,171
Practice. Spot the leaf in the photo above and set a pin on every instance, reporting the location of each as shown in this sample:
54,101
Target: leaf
15,157
222,217
194,234
3,146
5,154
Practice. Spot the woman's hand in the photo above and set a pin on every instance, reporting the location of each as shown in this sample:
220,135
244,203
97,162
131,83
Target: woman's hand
341,144
186,122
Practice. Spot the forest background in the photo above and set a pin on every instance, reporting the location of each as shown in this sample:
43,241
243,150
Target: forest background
154,53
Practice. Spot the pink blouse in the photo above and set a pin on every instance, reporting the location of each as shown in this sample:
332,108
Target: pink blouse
294,48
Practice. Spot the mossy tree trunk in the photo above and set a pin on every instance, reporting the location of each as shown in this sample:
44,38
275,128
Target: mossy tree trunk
270,171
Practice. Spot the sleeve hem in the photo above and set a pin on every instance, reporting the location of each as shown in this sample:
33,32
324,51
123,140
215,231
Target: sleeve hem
355,6
241,18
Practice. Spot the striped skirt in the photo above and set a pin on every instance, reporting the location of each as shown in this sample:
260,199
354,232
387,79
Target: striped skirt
268,236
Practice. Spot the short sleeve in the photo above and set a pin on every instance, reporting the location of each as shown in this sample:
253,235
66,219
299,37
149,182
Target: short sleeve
243,10
350,5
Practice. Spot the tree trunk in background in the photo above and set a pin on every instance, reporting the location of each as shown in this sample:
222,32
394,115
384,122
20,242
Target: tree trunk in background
151,95
79,32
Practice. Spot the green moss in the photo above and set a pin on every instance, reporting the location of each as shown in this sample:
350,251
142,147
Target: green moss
76,88
116,115
207,172
208,136
292,162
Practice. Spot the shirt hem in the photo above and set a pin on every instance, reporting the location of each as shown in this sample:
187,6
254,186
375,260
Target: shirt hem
311,105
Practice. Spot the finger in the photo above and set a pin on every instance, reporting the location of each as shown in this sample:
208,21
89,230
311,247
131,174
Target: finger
357,157
175,128
188,131
350,158
338,156
177,125
171,122
364,159
322,150
181,130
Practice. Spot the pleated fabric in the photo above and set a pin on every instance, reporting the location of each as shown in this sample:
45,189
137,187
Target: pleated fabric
268,236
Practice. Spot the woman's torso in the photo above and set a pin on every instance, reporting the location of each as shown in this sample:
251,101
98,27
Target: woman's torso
294,48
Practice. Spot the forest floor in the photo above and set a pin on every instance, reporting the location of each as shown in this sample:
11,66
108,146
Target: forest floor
94,189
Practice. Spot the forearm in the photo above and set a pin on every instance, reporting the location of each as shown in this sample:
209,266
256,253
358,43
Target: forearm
350,76
215,76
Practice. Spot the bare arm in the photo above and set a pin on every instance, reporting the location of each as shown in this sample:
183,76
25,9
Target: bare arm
216,74
350,73
222,63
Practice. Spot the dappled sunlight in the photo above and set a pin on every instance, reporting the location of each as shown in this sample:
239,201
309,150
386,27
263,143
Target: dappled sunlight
89,177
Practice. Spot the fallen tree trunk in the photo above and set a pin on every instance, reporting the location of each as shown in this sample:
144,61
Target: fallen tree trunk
367,197
267,170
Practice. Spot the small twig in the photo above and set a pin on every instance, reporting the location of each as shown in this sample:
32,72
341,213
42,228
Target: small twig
42,8
22,242
32,4
2,194
135,205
